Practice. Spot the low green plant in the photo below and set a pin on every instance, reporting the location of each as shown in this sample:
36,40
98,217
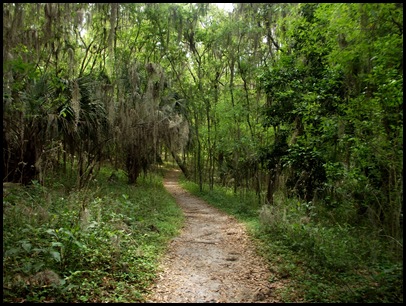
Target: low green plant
326,261
101,243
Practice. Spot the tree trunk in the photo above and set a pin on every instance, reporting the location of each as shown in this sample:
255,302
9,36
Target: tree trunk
181,164
269,193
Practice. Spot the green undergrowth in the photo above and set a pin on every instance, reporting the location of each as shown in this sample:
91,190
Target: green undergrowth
98,244
317,259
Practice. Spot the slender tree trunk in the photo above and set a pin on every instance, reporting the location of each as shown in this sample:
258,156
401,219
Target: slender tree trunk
181,164
199,169
236,120
269,193
209,146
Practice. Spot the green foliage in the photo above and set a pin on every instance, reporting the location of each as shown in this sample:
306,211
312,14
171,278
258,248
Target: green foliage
326,263
340,112
309,173
296,99
102,244
323,261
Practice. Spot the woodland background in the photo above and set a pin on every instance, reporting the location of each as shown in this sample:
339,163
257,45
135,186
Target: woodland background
296,107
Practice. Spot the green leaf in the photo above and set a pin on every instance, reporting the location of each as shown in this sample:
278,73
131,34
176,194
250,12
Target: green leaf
51,232
27,267
13,251
38,266
67,232
27,246
68,287
80,245
57,244
56,255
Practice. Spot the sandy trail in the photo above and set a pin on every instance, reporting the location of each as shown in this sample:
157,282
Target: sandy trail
212,260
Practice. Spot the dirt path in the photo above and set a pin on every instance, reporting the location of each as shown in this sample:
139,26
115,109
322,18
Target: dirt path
212,260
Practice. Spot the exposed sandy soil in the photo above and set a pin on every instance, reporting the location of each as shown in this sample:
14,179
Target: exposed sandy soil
212,260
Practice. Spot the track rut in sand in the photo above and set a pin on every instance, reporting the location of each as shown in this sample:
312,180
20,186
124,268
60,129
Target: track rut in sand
212,260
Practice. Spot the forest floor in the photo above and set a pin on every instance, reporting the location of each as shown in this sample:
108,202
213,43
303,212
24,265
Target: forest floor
213,259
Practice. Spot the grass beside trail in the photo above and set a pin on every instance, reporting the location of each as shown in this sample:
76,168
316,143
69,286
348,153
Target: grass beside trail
323,261
99,244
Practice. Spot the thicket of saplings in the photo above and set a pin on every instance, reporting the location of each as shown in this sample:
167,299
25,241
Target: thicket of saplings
98,244
321,255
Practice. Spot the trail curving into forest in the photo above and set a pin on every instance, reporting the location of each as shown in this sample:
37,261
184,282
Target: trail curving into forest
212,260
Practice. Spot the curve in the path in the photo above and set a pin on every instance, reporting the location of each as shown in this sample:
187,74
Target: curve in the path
212,260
